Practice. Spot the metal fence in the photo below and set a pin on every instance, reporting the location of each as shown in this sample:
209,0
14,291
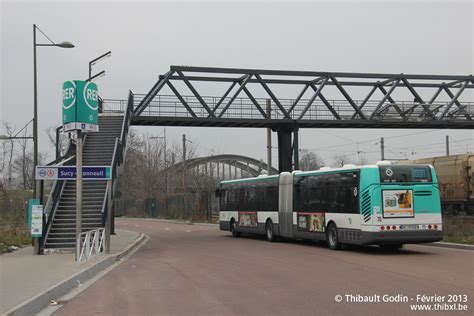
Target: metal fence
90,244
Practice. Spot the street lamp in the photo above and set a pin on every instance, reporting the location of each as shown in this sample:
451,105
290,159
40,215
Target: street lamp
95,61
35,94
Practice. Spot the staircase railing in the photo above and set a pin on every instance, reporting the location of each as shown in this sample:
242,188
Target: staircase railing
55,194
126,121
118,159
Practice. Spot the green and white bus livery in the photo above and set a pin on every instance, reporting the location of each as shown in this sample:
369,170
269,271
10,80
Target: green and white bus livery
383,204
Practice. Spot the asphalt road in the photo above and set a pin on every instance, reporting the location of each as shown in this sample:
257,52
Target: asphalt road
199,270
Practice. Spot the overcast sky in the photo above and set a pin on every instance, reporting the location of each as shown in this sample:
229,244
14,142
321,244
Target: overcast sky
427,37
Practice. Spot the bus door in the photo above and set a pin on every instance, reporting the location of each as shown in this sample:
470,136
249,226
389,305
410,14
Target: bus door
285,204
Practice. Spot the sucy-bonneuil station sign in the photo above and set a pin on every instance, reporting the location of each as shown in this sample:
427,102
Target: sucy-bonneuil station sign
80,106
70,173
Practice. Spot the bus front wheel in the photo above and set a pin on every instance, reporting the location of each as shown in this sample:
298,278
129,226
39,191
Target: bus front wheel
233,229
332,238
269,235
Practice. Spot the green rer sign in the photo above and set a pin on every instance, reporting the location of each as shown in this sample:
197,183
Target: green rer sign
80,106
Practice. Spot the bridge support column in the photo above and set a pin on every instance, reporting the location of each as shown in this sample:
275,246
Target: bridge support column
284,150
288,152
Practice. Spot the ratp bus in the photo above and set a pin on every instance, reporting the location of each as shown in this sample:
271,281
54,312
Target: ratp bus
386,205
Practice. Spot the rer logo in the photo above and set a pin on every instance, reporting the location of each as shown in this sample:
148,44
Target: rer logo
69,102
90,96
80,105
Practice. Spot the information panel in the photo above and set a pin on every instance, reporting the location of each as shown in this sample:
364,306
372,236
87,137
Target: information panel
36,220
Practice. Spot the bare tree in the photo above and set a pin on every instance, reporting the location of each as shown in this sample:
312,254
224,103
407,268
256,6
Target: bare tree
7,154
63,139
362,160
23,165
341,160
148,176
310,160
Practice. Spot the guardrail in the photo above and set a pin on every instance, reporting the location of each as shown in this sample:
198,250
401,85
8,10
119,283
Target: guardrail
117,161
90,244
243,108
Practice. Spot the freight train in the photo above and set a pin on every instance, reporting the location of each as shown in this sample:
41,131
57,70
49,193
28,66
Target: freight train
455,177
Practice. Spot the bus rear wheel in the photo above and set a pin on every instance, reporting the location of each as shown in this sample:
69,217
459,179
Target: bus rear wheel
269,234
233,229
332,238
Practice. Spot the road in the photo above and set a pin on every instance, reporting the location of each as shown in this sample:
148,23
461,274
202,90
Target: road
199,270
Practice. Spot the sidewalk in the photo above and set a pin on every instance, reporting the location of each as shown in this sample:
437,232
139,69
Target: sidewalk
23,276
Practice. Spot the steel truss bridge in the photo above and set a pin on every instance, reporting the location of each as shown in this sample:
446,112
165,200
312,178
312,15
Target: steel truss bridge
249,99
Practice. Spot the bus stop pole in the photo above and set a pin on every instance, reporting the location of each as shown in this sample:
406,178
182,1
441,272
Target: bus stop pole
78,194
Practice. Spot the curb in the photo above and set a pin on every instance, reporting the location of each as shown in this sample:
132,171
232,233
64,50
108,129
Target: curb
449,245
170,221
37,303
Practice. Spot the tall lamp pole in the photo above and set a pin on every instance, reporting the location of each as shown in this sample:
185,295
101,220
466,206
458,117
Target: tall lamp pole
35,95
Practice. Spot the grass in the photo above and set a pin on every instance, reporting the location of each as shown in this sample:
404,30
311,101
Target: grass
9,238
468,240
13,230
458,229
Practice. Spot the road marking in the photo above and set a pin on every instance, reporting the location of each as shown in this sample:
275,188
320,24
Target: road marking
188,231
167,228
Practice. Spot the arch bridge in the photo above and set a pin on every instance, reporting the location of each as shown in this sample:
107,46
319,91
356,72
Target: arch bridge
226,166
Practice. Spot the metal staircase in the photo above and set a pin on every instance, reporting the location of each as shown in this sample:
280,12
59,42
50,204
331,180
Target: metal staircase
105,148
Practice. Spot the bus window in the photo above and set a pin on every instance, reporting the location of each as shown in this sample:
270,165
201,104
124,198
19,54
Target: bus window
390,174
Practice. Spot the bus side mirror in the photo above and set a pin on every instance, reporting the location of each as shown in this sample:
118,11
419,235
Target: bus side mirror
218,192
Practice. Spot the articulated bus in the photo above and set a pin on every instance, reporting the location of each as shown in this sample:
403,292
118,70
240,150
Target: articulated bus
386,205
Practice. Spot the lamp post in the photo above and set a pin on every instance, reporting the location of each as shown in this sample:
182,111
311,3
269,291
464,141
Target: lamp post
35,95
96,60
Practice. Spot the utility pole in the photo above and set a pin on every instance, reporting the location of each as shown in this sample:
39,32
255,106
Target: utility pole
184,148
382,148
184,176
166,174
269,139
447,145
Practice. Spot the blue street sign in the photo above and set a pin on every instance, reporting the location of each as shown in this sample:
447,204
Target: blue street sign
69,173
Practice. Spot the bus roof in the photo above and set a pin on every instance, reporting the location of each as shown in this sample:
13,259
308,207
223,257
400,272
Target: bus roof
347,168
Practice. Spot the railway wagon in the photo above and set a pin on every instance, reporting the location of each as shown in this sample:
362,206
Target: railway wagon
455,176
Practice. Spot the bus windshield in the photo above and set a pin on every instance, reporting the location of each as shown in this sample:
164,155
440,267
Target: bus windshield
407,173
